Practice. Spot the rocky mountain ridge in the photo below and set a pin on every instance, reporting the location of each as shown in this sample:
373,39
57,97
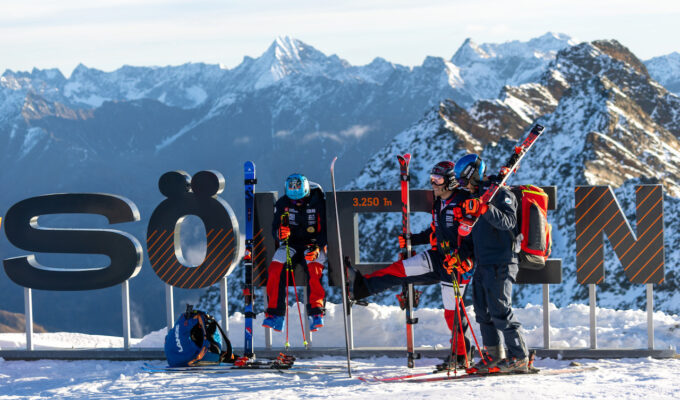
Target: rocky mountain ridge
607,123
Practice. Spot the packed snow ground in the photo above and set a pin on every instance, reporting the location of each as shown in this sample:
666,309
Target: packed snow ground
374,326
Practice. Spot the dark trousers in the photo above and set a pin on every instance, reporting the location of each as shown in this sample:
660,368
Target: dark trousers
492,296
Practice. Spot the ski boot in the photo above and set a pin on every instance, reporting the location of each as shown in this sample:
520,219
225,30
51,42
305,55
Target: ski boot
514,365
448,365
402,297
356,286
489,362
274,322
316,322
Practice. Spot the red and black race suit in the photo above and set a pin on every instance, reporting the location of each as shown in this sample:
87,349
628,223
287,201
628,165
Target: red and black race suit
307,223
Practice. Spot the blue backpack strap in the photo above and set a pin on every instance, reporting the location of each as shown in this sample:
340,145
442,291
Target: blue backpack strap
201,317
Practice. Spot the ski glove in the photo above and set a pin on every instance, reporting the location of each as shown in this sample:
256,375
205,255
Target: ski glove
284,233
475,207
453,262
458,213
402,241
312,253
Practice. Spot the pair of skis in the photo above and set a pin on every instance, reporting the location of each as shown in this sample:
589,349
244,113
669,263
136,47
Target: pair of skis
437,376
404,162
252,366
408,289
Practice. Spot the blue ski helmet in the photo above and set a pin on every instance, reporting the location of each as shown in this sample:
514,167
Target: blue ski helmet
297,187
470,169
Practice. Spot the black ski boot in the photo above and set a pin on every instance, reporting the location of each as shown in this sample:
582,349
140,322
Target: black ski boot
514,365
402,298
357,288
461,362
518,365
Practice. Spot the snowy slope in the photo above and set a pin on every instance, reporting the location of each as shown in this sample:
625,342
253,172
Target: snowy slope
375,325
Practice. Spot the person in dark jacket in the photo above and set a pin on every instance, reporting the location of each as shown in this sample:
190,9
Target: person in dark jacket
447,255
300,228
496,261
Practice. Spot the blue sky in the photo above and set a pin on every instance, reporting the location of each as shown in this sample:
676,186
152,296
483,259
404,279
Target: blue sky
107,34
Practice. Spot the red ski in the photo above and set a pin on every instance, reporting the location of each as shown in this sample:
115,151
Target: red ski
465,225
405,177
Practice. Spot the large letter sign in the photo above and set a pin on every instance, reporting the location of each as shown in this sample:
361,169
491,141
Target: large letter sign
23,231
597,211
196,198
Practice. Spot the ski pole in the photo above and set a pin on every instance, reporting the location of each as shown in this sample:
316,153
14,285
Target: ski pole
302,328
470,327
287,345
284,221
345,300
459,298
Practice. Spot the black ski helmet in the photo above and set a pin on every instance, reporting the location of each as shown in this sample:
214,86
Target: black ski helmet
446,170
470,169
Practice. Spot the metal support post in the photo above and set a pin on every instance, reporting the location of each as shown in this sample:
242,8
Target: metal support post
169,307
350,328
224,305
125,286
28,314
546,316
593,319
267,331
650,316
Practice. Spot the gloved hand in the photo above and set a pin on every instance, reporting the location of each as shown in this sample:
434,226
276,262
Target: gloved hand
401,255
312,253
402,241
453,262
475,207
284,232
458,213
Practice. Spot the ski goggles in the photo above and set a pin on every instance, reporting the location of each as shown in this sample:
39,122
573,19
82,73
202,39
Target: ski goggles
436,180
294,184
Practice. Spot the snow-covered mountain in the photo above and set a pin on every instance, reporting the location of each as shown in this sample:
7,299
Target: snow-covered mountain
293,109
607,122
666,70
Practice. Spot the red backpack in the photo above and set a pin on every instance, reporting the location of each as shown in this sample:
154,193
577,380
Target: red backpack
533,229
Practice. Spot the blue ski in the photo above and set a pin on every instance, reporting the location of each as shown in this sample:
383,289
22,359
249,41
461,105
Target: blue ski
248,290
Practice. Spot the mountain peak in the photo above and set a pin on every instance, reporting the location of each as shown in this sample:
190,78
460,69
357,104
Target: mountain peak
288,50
617,51
545,47
468,51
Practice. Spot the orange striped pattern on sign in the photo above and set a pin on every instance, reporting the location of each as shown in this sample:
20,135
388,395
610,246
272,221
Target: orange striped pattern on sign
219,256
598,212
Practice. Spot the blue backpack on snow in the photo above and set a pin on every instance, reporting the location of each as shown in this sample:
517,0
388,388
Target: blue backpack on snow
196,339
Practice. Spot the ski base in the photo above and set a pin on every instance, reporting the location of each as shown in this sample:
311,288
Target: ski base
259,366
441,377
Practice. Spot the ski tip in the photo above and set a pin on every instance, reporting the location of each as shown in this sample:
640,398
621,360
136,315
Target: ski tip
404,159
333,162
